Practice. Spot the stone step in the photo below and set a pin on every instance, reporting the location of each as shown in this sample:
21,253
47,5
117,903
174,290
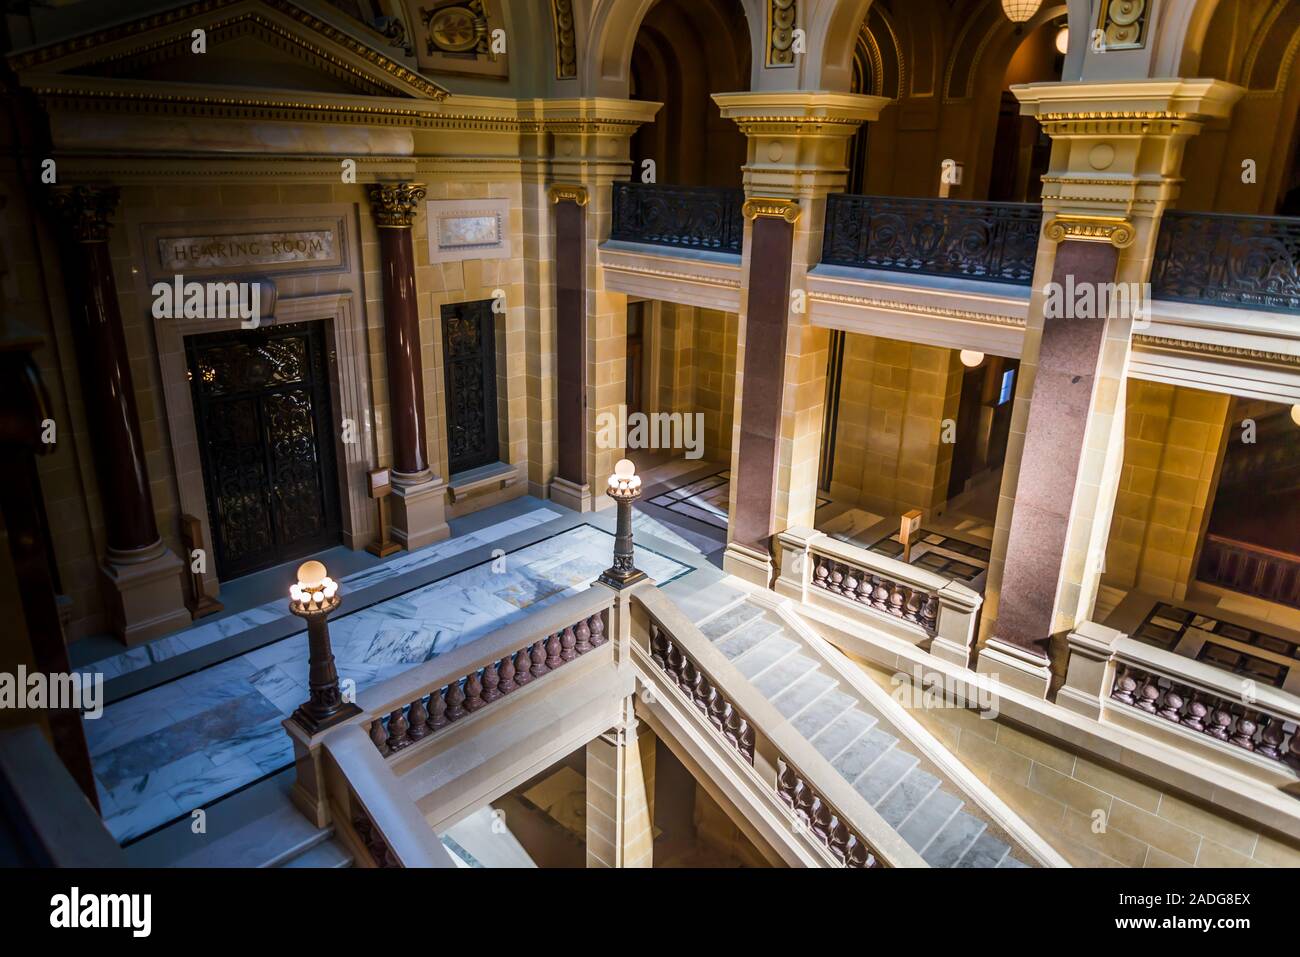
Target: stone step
817,716
764,655
878,777
746,637
328,854
905,796
842,732
1012,862
729,619
953,840
929,819
803,693
987,851
774,680
866,751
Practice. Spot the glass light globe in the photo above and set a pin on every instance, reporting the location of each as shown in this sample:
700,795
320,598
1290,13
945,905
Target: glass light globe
311,575
1295,413
1063,40
970,358
1018,11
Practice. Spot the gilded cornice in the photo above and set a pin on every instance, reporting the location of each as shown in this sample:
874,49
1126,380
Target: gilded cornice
893,305
1215,349
1115,230
775,207
568,193
395,204
85,211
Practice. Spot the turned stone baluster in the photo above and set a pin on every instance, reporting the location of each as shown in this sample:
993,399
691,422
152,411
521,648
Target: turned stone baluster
717,707
523,664
839,840
865,589
805,798
849,587
833,584
786,783
397,728
455,702
507,675
1172,708
658,646
821,573
1293,754
491,683
912,610
419,718
473,692
857,855
731,728
675,661
1244,736
553,648
597,625
700,691
896,600
379,735
582,638
880,597
1270,742
437,710
930,612
567,642
539,659
686,679
746,738
1195,716
822,820
1220,722
1125,686
1149,695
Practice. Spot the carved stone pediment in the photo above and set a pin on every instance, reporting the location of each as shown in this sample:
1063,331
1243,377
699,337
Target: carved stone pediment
256,53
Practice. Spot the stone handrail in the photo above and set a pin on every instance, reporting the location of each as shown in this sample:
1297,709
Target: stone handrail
427,698
371,811
820,570
1111,676
818,800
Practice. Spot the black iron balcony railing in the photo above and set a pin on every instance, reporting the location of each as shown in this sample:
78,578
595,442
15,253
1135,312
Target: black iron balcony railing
690,217
996,242
1219,259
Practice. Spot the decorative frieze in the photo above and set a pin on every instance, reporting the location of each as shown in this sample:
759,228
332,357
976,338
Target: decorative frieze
566,40
782,16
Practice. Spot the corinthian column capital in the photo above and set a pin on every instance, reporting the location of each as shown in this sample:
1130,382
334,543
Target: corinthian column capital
394,204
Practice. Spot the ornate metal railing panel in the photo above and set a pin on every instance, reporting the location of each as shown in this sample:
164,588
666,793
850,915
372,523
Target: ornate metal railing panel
995,242
690,217
1243,262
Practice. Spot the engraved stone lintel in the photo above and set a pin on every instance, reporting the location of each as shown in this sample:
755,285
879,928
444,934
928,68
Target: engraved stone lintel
1115,230
568,192
85,210
394,204
787,209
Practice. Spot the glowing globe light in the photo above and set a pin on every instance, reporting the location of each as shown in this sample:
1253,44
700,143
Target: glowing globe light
1018,11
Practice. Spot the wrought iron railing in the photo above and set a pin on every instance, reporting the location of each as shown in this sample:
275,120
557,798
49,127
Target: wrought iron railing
1220,259
996,242
689,217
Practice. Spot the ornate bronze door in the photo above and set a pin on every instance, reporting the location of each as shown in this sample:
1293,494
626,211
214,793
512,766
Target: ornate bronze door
470,361
262,408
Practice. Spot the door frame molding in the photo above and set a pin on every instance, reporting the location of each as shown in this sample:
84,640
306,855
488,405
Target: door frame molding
349,393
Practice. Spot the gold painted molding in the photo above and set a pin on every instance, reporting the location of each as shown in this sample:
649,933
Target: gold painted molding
1115,230
787,209
1214,349
394,204
568,192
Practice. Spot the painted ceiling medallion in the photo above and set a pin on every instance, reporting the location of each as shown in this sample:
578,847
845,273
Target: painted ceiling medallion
458,28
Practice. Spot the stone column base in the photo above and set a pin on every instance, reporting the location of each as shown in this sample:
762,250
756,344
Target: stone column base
419,514
1015,667
145,593
748,563
566,493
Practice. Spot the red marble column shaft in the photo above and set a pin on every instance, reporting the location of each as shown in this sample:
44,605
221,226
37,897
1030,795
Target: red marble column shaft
570,341
107,392
766,330
1060,403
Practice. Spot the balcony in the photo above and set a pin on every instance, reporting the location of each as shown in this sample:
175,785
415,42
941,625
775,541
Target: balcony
1219,259
991,242
684,217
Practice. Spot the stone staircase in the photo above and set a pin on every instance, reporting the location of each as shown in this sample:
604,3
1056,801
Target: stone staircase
854,738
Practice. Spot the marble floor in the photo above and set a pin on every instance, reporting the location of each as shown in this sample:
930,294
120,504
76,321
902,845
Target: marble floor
161,753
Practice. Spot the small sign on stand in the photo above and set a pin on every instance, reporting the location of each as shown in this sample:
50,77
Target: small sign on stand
380,485
192,539
909,526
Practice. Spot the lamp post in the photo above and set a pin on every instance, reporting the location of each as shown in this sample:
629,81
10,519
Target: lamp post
624,488
312,598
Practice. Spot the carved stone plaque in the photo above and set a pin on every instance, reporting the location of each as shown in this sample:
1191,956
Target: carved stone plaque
181,253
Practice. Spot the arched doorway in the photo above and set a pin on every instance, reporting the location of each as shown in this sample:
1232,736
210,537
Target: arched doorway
1021,150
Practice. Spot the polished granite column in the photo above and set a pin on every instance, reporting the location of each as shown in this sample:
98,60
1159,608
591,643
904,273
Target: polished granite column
570,486
145,591
419,503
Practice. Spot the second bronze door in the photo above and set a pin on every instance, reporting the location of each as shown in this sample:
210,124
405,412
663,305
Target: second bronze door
469,361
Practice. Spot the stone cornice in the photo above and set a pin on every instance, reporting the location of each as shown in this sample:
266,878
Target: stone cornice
1215,349
1128,102
801,111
